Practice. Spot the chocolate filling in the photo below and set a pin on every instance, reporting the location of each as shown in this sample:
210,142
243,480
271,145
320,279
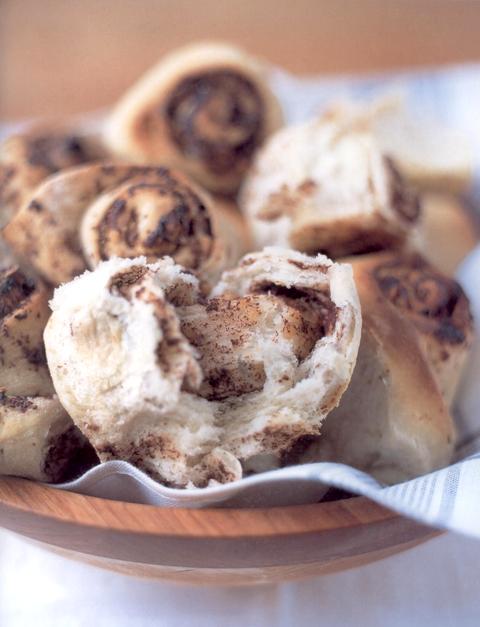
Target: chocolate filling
18,403
403,197
15,288
123,282
316,306
225,333
437,302
176,223
54,152
216,118
69,455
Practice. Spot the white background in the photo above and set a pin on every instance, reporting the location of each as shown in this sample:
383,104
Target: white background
437,583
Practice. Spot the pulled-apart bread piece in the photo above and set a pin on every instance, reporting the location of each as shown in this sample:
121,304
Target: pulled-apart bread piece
38,439
204,109
27,158
91,213
325,186
194,390
393,420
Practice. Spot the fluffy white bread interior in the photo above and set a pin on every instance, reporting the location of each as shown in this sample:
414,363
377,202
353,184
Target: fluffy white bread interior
139,390
326,185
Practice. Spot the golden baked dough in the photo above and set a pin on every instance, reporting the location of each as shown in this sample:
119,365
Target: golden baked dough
436,306
205,109
27,158
197,390
91,213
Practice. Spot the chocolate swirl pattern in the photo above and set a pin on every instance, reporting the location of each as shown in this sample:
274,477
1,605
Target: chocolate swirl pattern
213,382
151,219
217,117
27,159
95,212
433,299
205,109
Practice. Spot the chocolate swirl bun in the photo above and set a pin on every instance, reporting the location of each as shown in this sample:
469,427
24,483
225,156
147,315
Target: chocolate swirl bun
196,390
204,109
392,421
28,158
37,437
326,186
436,305
91,213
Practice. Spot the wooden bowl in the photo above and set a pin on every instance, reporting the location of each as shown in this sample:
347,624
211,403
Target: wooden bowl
218,546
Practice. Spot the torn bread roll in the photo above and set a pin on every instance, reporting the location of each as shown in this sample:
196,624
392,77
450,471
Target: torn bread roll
393,421
91,213
27,158
326,186
38,439
446,232
205,109
196,390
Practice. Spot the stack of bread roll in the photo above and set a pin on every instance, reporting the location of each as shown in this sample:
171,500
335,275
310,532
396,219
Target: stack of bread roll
232,295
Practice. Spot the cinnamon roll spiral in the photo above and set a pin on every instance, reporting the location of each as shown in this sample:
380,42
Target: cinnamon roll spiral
196,390
91,213
205,109
27,159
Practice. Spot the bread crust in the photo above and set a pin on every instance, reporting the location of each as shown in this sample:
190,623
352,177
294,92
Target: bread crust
28,158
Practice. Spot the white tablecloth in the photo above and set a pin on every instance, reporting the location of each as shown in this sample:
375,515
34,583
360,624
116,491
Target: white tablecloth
437,584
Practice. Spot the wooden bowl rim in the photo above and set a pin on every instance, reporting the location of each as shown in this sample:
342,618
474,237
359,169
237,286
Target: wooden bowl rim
69,507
